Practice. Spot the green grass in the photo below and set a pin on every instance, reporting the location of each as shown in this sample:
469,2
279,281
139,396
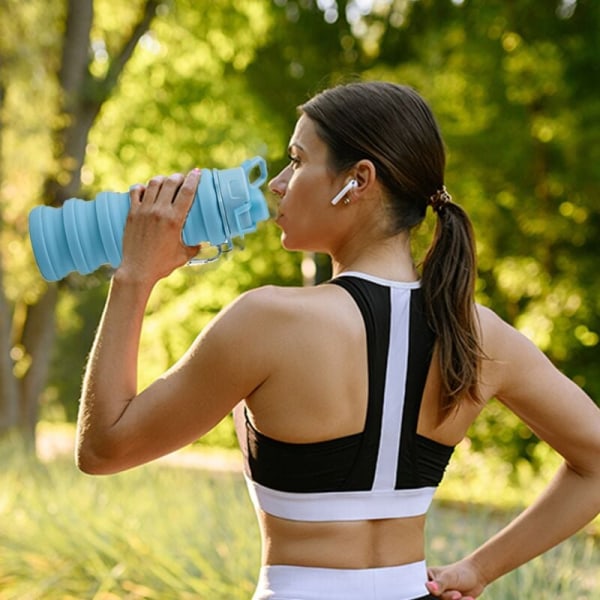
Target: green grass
159,532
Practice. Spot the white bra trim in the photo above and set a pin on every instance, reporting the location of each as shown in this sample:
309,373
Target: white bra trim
411,285
341,506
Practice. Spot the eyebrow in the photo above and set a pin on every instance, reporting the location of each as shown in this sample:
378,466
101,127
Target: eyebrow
295,144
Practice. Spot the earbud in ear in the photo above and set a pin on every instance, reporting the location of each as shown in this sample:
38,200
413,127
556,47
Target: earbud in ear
349,186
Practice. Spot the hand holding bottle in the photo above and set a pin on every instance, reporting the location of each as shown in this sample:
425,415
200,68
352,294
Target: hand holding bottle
152,242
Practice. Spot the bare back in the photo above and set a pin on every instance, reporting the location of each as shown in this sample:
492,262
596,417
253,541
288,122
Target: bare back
319,391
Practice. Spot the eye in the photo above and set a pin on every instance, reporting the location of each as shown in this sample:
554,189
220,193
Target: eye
294,161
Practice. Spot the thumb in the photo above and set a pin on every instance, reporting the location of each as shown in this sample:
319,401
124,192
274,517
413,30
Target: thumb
434,583
437,589
443,584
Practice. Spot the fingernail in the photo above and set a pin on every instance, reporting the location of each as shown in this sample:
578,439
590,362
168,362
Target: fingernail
433,586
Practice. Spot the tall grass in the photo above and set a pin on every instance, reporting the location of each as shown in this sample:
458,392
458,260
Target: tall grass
165,533
154,532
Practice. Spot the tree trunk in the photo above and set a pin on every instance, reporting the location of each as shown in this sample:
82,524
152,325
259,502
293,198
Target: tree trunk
9,394
37,338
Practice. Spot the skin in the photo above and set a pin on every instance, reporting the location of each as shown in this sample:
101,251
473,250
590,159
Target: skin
272,332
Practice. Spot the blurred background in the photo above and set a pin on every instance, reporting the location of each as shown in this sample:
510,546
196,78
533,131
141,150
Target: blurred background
98,95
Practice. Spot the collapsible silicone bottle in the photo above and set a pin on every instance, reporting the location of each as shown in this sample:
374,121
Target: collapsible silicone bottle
83,235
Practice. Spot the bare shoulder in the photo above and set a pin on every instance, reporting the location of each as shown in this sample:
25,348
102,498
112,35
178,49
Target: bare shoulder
510,356
493,327
291,304
501,342
267,318
266,301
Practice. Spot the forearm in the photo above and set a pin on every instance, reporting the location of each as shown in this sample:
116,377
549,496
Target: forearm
110,380
570,502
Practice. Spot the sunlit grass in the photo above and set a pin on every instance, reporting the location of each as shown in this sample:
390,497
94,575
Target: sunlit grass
159,532
154,532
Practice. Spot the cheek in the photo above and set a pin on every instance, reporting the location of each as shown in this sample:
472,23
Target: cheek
307,229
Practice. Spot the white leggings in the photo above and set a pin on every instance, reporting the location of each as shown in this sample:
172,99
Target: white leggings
282,582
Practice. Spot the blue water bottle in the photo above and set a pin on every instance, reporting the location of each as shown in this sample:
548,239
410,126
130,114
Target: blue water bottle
83,235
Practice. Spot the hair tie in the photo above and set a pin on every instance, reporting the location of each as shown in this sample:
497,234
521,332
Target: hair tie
439,200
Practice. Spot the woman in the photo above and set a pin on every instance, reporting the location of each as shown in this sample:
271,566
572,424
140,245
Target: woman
350,395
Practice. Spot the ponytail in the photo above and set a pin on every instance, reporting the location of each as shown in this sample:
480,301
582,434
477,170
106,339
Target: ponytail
448,283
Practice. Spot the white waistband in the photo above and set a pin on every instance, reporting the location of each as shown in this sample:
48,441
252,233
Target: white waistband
282,582
341,506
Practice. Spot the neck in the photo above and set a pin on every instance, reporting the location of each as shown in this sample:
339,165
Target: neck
388,258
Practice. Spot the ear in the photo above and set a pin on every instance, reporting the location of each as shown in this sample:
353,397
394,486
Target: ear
365,174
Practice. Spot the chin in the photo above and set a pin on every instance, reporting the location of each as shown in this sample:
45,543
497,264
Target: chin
286,242
290,245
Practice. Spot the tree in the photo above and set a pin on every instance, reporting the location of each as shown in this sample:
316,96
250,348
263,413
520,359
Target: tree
81,95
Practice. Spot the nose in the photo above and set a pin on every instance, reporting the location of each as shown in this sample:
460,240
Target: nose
278,184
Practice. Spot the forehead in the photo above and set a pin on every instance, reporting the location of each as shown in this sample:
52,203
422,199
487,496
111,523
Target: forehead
305,137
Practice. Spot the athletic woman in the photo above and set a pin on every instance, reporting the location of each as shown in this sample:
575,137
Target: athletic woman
348,396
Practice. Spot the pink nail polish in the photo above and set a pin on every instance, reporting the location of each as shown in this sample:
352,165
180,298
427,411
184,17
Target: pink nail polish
433,586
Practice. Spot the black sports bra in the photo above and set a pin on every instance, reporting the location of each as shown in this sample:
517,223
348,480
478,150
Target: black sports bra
385,471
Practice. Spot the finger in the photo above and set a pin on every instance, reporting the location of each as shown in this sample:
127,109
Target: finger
436,589
153,189
136,193
169,188
192,251
187,191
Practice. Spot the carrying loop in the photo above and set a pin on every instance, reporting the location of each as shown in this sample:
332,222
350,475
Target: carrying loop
226,246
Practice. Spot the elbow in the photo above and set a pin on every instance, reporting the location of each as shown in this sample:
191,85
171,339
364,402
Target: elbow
99,451
91,464
97,461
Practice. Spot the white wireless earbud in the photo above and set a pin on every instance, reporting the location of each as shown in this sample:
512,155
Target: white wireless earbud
349,186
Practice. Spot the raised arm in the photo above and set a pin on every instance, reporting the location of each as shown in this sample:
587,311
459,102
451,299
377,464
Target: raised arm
562,415
118,427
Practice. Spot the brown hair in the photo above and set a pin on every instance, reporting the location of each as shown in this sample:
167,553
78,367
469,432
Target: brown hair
392,126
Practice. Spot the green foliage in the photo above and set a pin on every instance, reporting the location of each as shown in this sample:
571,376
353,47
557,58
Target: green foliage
182,101
514,88
26,63
78,314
